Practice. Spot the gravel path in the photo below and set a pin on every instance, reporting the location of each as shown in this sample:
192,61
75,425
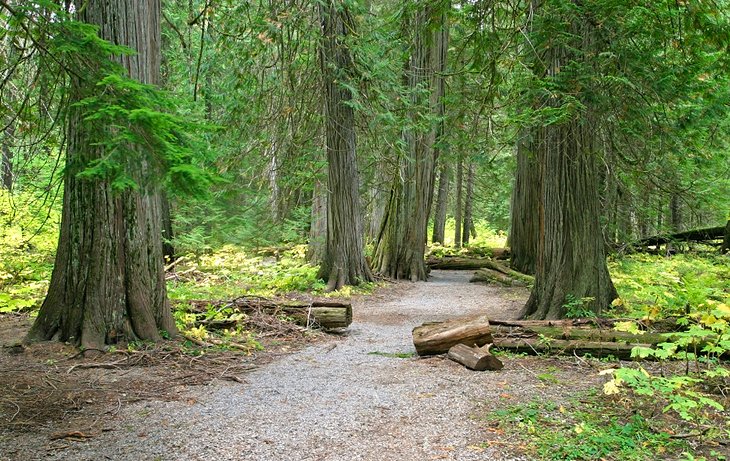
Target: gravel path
338,400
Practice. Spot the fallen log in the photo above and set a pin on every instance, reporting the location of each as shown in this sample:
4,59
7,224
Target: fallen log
457,263
438,337
537,345
327,314
695,235
475,358
491,276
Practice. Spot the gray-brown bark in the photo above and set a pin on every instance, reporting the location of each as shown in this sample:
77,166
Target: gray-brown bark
442,198
401,244
458,202
466,229
571,260
344,262
6,164
108,281
524,224
439,337
318,227
475,358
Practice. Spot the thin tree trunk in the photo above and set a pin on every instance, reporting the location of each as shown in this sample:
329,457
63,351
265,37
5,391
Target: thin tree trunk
318,227
442,199
7,157
726,239
108,281
344,262
458,203
468,205
524,228
168,249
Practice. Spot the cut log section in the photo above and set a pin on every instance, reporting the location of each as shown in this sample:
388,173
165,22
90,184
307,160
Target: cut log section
439,337
327,314
475,358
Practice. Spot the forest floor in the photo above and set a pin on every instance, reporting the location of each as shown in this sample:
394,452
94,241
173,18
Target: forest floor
360,395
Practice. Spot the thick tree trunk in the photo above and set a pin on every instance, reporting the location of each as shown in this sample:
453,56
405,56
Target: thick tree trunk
401,247
571,260
344,262
442,198
108,281
524,228
468,205
458,203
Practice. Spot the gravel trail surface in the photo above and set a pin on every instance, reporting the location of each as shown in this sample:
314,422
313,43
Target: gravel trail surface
346,399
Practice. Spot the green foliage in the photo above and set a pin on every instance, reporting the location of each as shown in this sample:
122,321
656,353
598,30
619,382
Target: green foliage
656,287
27,244
480,246
578,308
587,429
705,341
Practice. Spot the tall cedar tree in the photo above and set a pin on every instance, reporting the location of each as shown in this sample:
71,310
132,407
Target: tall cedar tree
344,261
108,280
401,244
571,261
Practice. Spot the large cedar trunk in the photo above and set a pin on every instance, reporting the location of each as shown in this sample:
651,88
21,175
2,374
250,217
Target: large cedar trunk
401,246
571,260
344,262
524,228
108,281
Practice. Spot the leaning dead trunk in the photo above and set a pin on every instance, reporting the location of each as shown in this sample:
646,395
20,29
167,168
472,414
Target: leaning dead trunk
108,281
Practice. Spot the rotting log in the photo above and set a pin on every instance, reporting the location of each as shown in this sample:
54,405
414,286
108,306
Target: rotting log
457,263
438,337
695,235
537,345
475,358
327,314
499,273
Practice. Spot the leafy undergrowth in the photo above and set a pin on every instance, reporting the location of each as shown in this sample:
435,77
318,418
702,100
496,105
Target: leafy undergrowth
595,427
479,246
656,287
234,271
27,246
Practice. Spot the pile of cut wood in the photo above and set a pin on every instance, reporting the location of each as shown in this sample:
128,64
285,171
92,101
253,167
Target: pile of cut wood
468,340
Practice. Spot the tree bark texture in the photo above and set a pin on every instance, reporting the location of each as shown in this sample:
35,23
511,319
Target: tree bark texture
344,262
468,224
459,202
108,280
442,199
318,227
401,246
524,228
7,157
571,260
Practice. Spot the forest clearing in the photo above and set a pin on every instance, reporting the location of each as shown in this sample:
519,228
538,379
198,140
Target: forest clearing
345,229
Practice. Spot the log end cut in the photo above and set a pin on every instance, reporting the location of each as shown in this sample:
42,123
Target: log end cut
475,358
